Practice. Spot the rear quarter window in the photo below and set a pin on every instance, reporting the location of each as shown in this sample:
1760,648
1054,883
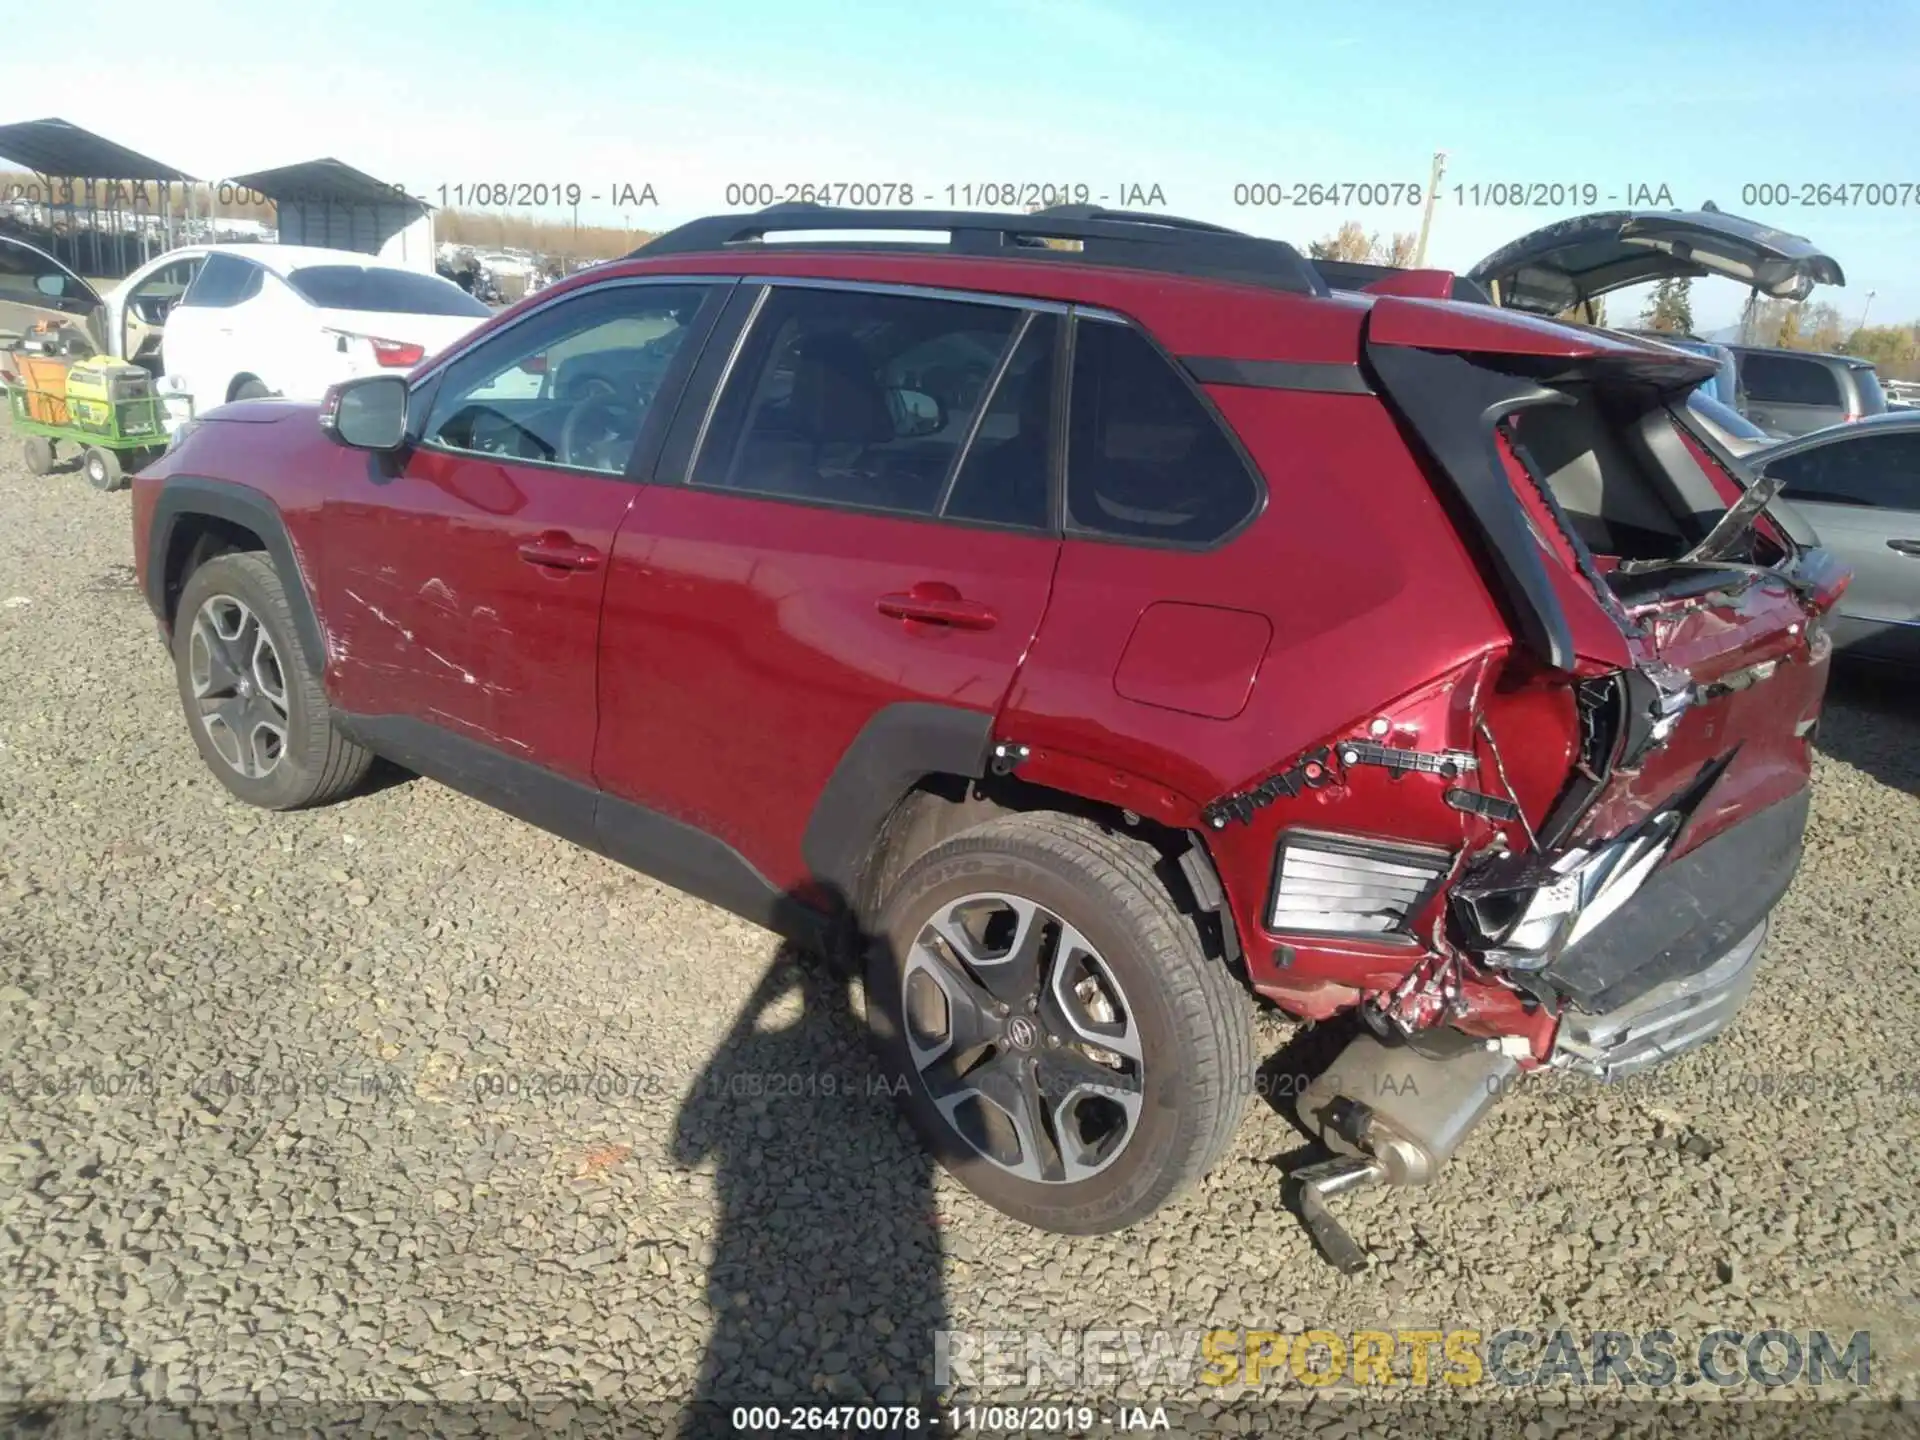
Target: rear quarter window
1147,460
377,289
1866,381
1784,380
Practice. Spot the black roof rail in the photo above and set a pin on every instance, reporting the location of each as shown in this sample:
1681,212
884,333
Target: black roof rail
1132,239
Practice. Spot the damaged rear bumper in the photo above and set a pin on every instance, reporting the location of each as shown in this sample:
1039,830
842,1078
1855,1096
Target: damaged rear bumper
1677,950
1666,1021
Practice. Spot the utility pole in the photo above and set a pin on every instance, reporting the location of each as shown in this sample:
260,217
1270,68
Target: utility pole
1866,307
1426,216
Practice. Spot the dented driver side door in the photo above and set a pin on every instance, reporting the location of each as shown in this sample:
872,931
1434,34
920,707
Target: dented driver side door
464,579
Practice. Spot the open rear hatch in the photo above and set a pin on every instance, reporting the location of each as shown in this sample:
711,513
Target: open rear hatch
1557,267
1635,570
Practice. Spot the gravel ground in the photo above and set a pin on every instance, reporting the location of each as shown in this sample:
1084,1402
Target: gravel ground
295,1111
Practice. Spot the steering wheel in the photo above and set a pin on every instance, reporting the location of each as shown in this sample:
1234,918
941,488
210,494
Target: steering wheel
599,431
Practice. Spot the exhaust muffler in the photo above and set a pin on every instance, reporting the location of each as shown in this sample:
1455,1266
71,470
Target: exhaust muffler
1393,1115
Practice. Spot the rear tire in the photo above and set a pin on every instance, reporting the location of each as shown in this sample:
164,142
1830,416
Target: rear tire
253,700
1135,1056
39,454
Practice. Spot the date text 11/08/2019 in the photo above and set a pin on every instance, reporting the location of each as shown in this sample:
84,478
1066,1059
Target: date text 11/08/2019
540,194
969,195
1496,194
1011,1419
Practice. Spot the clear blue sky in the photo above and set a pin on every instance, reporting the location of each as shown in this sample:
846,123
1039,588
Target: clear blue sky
1704,98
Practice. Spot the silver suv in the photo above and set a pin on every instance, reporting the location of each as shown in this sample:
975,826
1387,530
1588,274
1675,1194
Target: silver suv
1792,392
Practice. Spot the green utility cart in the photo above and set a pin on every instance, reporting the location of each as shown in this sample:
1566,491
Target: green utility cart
105,409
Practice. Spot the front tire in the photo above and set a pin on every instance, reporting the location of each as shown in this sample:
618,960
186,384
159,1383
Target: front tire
1052,1024
252,697
38,453
103,469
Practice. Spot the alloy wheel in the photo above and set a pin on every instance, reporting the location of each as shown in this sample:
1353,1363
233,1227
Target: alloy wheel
239,686
1024,1040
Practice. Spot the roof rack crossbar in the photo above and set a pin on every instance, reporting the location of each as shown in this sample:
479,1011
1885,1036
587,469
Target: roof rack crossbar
1134,239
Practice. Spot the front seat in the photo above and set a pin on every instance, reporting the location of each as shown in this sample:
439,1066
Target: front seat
837,410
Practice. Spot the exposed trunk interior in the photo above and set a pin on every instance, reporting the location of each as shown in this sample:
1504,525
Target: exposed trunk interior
1618,468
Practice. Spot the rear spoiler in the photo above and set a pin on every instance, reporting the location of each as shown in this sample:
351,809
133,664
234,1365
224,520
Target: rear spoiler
1393,280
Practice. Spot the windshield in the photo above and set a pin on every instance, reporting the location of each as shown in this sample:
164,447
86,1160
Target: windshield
374,287
1725,416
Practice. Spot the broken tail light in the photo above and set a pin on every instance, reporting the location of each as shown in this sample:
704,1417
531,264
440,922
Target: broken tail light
1327,884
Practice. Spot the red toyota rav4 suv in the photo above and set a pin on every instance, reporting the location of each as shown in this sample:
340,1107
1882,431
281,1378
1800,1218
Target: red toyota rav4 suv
1090,614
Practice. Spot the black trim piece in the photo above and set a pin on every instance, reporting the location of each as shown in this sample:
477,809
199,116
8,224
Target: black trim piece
674,463
1478,802
1454,408
896,749
675,384
1602,704
667,849
1690,912
1136,240
704,866
1065,341
1325,377
519,787
185,496
1312,771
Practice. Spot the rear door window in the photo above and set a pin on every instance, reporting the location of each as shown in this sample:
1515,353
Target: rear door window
860,399
1866,380
1780,380
224,281
377,288
1881,472
1146,457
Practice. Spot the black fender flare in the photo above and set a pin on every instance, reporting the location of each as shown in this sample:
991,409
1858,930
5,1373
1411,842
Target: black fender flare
185,496
900,745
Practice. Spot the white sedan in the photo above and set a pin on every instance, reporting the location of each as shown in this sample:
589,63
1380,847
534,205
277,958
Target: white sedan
232,322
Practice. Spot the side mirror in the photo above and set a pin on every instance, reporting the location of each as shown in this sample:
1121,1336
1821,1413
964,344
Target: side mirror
367,414
53,286
917,414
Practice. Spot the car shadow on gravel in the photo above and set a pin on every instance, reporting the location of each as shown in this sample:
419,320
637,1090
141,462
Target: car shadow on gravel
826,1283
1871,721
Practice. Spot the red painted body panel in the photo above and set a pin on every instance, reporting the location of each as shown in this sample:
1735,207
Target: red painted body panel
1350,639
743,649
434,613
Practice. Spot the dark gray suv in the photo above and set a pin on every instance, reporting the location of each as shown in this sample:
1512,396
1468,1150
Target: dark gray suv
1792,392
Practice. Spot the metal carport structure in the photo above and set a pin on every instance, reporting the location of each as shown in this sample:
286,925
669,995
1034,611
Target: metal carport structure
327,202
83,174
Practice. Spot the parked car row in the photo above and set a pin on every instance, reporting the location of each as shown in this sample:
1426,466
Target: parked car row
229,322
